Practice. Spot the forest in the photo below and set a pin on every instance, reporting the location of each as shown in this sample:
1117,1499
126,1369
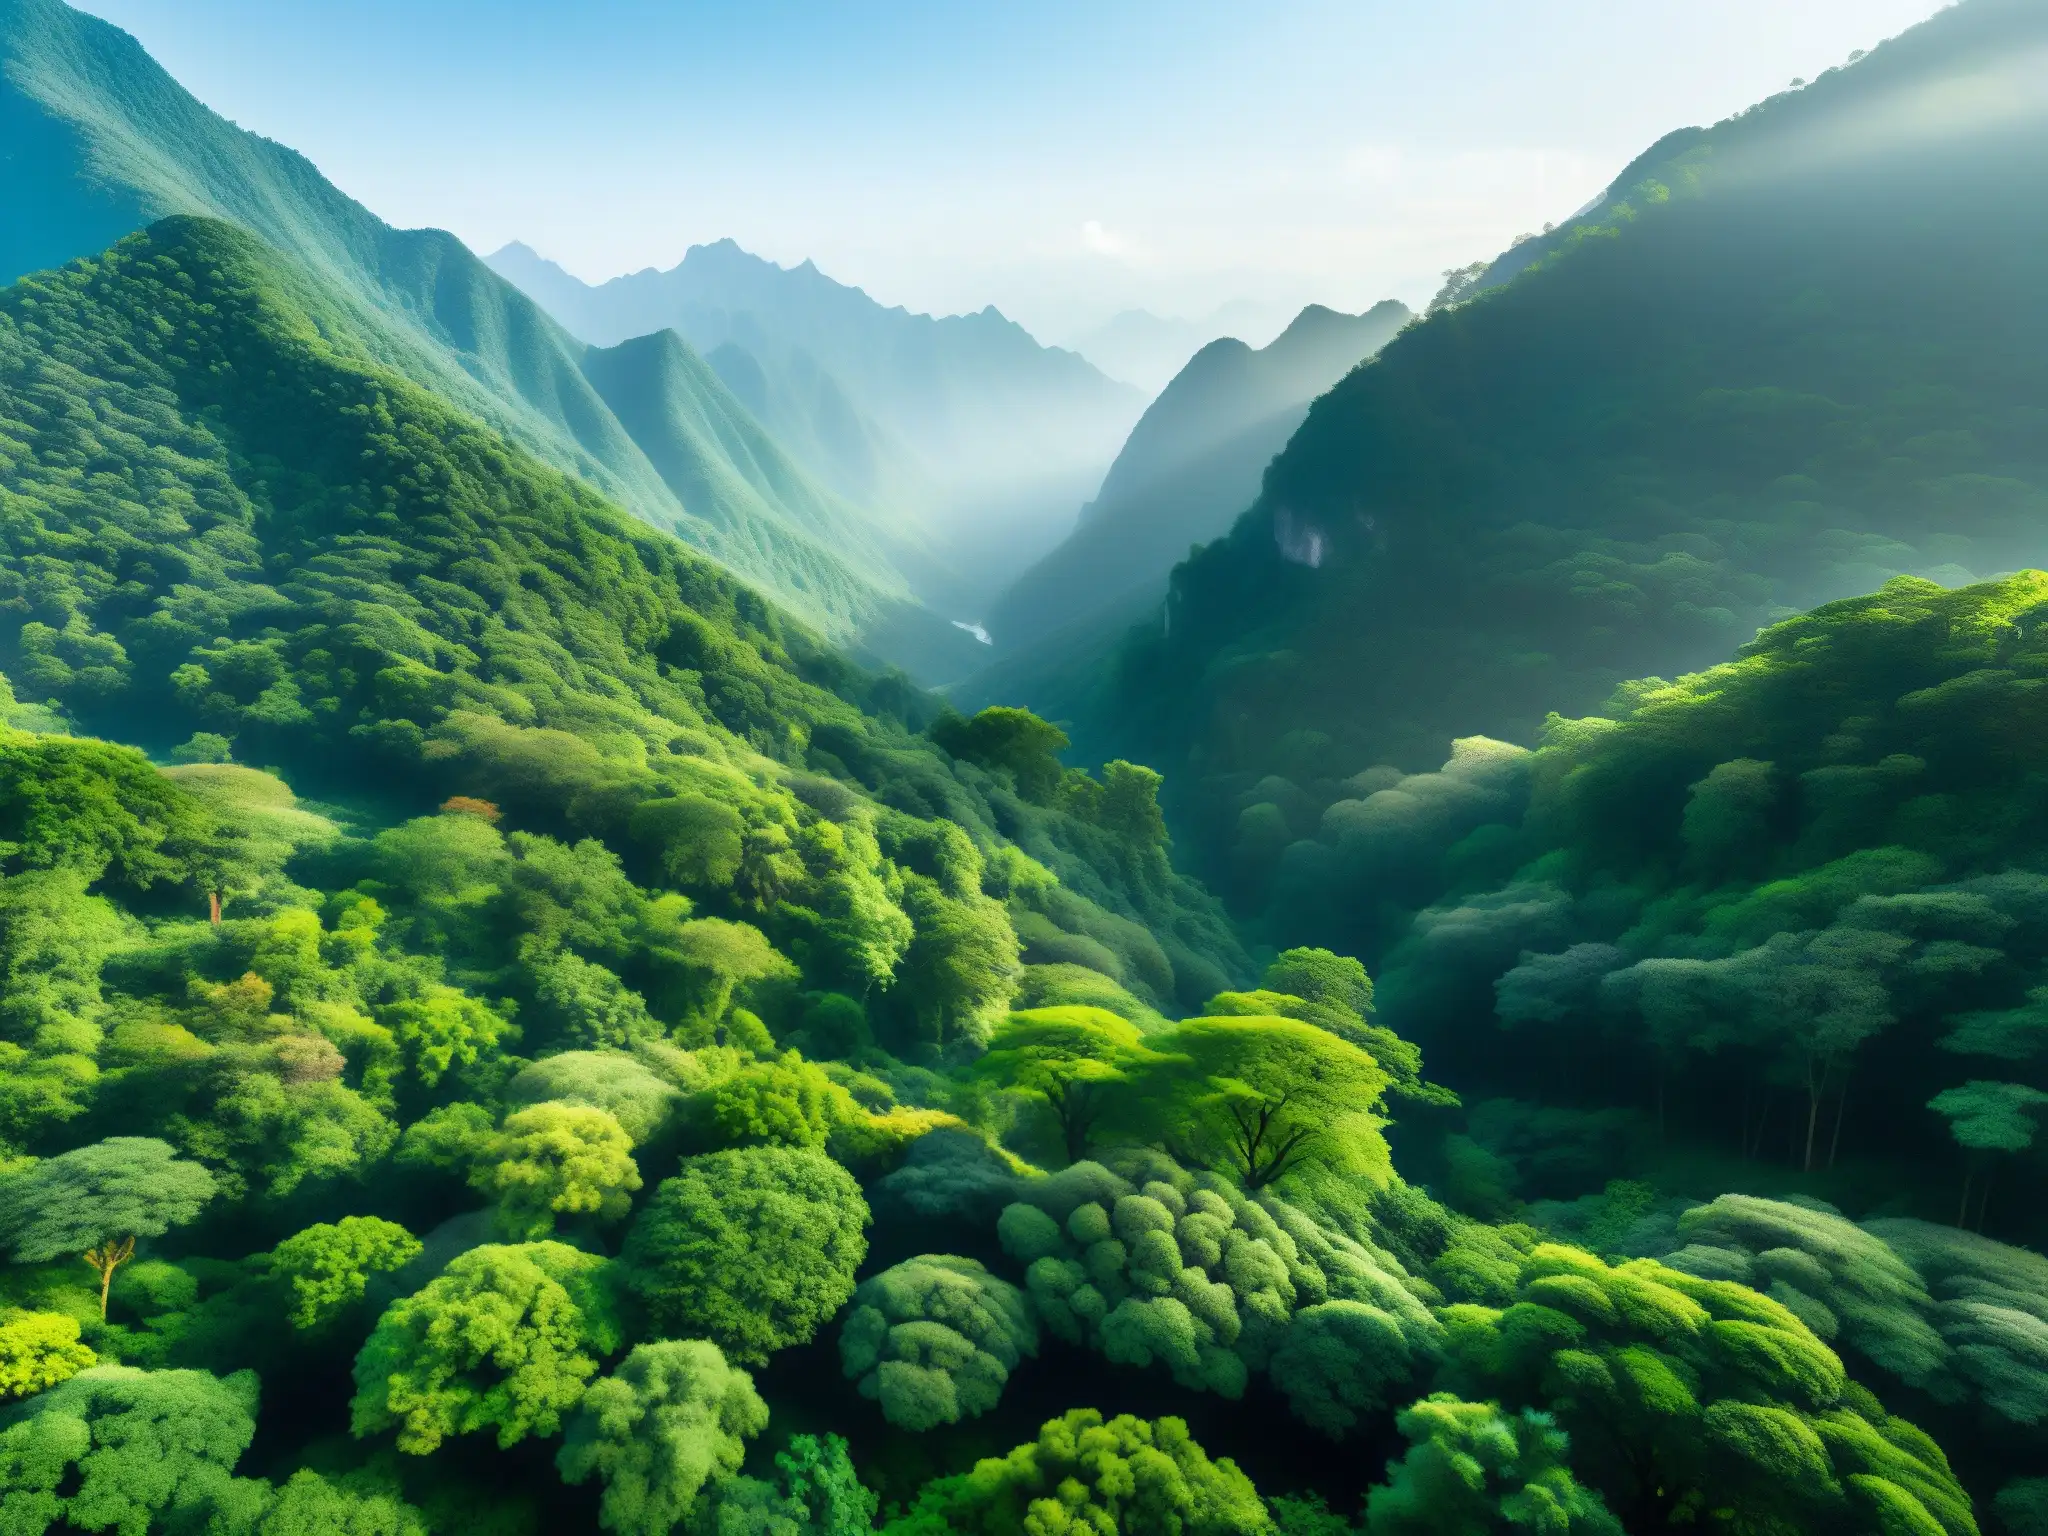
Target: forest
504,1030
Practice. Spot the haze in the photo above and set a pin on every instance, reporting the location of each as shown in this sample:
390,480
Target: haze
1062,161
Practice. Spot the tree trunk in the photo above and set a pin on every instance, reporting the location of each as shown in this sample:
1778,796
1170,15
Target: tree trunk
1963,1210
1841,1109
1816,1090
213,909
105,1259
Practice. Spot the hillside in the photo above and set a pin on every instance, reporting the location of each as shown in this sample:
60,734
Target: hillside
104,141
1189,467
1787,357
991,438
377,588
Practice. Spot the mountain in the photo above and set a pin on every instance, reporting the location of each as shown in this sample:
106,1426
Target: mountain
1785,358
294,553
100,141
1190,466
1147,350
988,438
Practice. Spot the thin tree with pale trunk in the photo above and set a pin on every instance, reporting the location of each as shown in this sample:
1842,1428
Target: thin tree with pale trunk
97,1201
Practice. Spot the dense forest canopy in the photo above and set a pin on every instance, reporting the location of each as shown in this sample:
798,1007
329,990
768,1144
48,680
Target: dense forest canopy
1788,357
503,1030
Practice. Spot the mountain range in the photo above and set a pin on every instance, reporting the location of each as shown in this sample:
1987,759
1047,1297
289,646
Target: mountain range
104,141
1148,350
963,423
1783,359
1189,467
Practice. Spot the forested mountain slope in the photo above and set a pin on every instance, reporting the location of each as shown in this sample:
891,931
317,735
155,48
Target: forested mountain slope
1797,352
990,437
655,1046
1788,908
1189,467
284,548
101,141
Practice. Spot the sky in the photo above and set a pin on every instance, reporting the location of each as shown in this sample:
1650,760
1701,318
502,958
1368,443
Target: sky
1062,160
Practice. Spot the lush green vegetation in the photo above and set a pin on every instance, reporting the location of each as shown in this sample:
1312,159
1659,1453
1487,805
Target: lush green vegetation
501,1030
101,141
1788,357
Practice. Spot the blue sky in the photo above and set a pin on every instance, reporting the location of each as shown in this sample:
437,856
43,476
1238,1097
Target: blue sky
1061,159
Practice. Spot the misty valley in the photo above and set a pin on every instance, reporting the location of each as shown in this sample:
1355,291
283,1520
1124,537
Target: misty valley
697,905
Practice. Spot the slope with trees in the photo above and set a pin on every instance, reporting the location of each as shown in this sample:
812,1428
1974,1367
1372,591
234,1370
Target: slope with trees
111,143
1787,357
1190,465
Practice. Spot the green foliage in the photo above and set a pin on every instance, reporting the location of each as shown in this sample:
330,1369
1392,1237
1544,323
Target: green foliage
754,1247
329,1265
934,1339
1845,1284
1077,1061
552,1161
96,1201
787,1102
1129,1476
1187,1272
1990,1307
1685,1394
1260,1096
620,1085
1471,1469
311,1505
816,1492
38,1350
98,810
673,1417
1990,1117
961,968
505,1339
114,1448
1013,740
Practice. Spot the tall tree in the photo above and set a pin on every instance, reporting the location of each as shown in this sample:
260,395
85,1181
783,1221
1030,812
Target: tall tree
96,1201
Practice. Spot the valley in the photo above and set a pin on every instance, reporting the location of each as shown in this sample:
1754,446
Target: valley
700,904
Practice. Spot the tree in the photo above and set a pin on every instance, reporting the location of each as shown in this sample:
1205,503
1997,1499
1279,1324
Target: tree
587,1006
1340,1360
724,956
1071,1059
506,1338
962,965
696,841
311,1505
1681,1393
1474,1470
38,1350
95,1202
554,1160
1014,741
787,1102
115,1448
1318,976
1262,1096
612,1081
816,1492
755,1247
1130,1476
673,1417
442,1028
1987,1118
934,1339
329,1265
